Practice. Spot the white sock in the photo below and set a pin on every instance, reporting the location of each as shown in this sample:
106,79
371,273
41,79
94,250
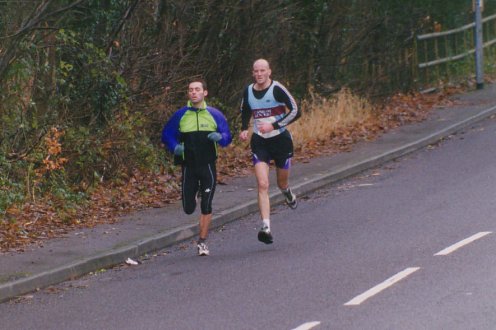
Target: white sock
266,223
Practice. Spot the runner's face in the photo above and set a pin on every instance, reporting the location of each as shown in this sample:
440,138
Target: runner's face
196,93
261,73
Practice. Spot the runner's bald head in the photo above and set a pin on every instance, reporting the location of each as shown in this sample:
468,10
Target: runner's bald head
261,62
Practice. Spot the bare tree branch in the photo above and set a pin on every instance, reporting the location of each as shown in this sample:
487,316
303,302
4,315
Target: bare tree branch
38,15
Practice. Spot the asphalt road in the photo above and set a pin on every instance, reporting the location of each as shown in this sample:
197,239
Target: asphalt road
405,246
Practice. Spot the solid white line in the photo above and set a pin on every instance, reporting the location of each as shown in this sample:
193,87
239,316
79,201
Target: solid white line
308,326
380,287
464,242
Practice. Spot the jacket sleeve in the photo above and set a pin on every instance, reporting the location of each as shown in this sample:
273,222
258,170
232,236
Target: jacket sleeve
171,133
222,127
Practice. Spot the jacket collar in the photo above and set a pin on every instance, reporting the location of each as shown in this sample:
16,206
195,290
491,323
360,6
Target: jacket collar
203,107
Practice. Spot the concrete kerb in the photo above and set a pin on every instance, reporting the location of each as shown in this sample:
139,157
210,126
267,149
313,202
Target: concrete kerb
64,272
98,261
147,245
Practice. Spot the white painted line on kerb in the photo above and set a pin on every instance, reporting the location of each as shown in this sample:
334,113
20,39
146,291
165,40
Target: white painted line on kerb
308,326
380,287
462,243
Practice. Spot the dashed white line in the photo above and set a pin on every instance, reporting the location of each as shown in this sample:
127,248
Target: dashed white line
380,287
308,325
462,243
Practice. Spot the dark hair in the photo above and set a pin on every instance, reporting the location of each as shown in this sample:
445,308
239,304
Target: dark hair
200,80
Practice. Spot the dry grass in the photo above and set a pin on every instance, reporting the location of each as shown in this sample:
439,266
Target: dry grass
323,118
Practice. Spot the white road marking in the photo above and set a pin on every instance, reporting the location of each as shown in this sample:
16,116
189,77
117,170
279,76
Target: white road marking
380,287
308,326
462,243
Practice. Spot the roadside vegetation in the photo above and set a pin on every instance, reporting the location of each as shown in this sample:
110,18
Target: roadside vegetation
86,86
331,125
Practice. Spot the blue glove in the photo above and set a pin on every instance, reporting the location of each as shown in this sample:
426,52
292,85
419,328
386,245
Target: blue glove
178,150
214,136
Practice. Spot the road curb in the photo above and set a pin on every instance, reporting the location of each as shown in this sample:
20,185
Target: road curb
165,239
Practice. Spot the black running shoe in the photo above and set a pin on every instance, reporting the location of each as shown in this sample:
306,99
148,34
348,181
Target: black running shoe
265,236
290,199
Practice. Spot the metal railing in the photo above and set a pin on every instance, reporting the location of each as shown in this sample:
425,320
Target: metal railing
452,45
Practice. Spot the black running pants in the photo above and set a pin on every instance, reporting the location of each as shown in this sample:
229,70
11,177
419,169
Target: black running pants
202,179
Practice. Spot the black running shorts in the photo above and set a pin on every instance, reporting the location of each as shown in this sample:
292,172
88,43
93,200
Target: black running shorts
278,148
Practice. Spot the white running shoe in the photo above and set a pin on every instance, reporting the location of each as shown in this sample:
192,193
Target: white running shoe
203,249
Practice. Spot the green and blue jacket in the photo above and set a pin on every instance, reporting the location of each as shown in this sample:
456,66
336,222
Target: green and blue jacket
190,126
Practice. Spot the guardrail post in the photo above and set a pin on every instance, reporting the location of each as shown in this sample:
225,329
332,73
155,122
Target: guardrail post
479,48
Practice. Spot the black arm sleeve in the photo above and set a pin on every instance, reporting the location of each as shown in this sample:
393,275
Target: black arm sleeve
282,95
245,111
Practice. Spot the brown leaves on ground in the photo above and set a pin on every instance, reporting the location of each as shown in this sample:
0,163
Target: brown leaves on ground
44,219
